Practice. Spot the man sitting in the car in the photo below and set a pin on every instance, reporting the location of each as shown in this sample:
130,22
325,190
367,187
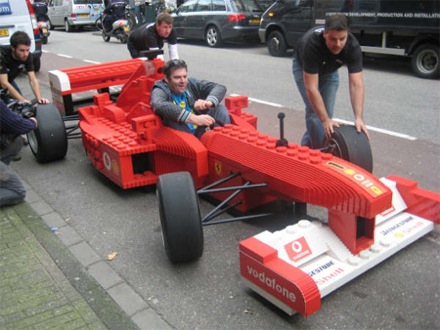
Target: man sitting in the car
188,104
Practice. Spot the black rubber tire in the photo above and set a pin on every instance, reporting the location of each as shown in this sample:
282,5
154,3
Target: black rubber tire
123,37
98,24
48,142
44,40
348,144
67,26
37,64
180,217
276,44
213,37
105,37
425,61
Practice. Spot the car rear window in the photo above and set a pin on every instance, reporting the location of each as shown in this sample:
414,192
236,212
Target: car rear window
85,2
218,5
248,5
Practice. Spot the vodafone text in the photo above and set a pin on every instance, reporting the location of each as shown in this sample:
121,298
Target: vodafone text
271,283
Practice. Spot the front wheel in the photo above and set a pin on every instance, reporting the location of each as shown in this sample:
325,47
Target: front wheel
213,37
425,61
37,64
180,219
276,44
348,144
50,26
48,142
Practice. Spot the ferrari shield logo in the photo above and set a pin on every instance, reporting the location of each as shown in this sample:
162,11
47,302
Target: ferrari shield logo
218,168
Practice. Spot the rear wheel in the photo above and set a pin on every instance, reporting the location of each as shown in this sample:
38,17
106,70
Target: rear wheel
348,144
180,217
276,44
122,37
425,61
48,142
67,26
213,37
105,37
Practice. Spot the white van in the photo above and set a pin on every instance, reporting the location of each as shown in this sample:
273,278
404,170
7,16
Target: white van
74,13
18,15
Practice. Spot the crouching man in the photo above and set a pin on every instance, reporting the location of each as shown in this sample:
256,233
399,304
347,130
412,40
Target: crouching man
12,126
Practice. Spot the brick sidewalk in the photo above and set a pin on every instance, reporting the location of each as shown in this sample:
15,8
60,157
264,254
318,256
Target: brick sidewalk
34,292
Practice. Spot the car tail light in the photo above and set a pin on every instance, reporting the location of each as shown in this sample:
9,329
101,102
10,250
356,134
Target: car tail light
33,18
73,15
236,18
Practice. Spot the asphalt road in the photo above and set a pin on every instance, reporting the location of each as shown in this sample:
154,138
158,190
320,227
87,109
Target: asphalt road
402,292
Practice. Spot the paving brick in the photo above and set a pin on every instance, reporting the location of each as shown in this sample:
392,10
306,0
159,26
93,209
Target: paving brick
41,207
129,300
104,274
68,236
84,253
53,220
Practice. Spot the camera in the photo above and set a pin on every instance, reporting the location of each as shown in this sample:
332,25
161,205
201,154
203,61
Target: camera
24,109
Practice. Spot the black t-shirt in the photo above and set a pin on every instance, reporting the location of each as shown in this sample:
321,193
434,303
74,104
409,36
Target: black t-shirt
11,66
145,37
314,56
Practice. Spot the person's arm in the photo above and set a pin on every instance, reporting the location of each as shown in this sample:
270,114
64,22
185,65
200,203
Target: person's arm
208,94
311,83
35,86
356,87
172,49
13,123
12,91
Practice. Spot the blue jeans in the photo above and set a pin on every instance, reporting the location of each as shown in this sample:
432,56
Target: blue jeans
328,86
12,190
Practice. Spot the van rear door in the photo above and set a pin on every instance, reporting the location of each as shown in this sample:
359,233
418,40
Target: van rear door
14,16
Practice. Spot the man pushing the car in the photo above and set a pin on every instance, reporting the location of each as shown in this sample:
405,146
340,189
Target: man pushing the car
188,104
153,37
318,56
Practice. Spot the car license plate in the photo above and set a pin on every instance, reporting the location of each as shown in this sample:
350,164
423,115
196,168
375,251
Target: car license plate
44,30
83,15
126,28
4,32
254,21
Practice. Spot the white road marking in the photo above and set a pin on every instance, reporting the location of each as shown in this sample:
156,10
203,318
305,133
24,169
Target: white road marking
380,130
262,102
93,62
66,56
371,128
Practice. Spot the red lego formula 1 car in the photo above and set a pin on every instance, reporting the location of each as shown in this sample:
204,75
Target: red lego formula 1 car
241,169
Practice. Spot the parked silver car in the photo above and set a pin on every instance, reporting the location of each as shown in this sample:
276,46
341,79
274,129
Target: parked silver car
218,21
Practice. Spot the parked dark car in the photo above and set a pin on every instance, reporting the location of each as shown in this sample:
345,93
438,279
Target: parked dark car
218,21
390,28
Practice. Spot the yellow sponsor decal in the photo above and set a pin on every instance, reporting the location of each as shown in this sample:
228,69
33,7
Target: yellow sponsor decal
364,181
